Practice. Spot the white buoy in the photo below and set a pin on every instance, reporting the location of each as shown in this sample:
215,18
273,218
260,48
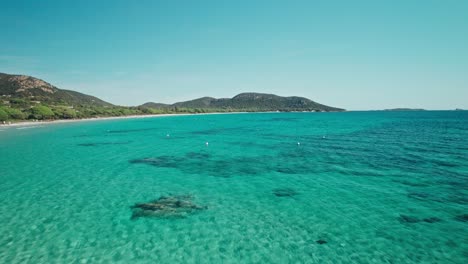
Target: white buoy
206,143
298,143
167,135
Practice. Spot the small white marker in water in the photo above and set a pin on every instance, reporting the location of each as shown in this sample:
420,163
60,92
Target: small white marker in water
167,135
206,143
324,137
298,143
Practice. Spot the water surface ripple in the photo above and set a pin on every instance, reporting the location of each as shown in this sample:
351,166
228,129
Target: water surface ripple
357,187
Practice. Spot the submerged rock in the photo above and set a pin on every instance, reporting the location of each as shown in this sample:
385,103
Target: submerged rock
166,206
284,192
462,218
206,164
130,130
161,161
426,197
408,219
411,183
198,155
321,241
96,144
432,220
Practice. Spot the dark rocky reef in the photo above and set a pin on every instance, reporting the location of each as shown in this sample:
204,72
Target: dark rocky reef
411,183
321,241
407,219
130,130
282,119
284,192
97,144
432,220
217,131
166,206
204,163
164,161
456,197
198,155
462,218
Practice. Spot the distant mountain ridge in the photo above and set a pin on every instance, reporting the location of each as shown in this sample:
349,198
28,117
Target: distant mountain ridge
251,102
404,109
28,98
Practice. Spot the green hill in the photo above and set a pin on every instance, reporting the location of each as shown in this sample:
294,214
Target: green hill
250,102
155,105
24,97
33,89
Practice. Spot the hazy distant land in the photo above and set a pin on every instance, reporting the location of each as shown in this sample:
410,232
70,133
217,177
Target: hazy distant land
405,109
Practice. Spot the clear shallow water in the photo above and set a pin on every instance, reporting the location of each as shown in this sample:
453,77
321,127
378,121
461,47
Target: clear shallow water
381,187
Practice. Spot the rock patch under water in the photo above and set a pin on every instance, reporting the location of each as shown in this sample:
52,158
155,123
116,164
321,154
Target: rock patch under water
407,219
97,144
205,163
284,192
462,218
432,220
321,241
166,206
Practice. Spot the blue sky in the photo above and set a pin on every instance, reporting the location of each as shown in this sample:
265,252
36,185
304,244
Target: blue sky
353,54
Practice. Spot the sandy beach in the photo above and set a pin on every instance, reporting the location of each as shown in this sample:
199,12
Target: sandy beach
61,121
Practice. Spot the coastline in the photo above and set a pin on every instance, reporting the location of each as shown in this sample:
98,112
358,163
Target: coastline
62,121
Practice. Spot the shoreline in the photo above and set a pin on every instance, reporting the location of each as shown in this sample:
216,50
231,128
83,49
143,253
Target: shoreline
64,121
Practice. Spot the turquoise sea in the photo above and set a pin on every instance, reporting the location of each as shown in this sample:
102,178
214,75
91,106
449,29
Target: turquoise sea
360,187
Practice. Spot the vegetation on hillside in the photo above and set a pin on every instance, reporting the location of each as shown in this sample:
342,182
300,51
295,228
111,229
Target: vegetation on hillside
32,111
249,102
28,98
